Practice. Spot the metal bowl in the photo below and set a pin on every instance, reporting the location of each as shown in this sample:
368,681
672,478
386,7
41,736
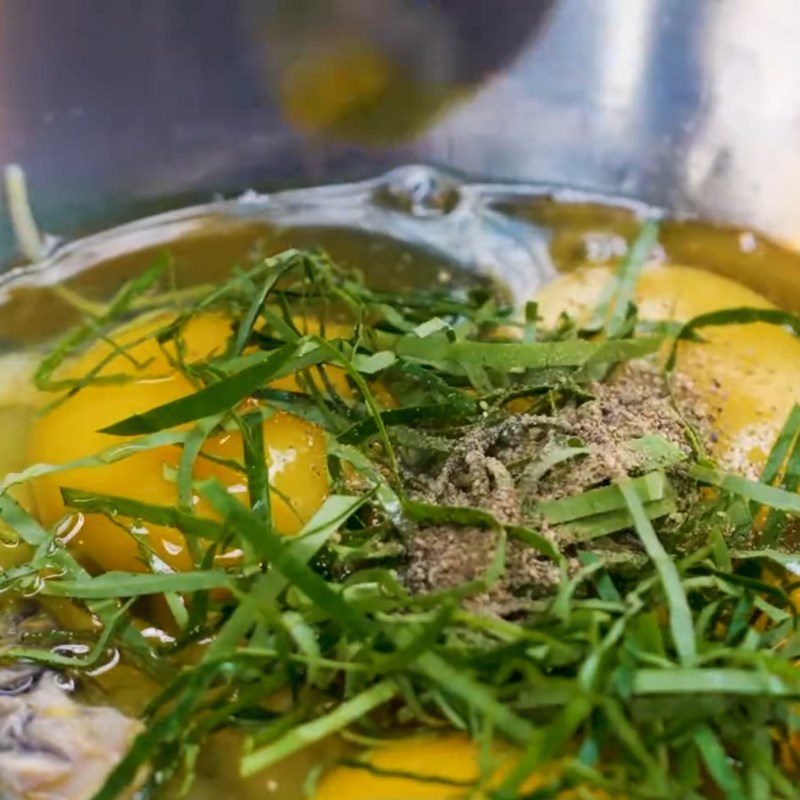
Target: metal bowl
116,110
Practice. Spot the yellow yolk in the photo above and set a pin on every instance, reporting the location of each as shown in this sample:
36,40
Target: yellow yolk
746,374
452,758
295,448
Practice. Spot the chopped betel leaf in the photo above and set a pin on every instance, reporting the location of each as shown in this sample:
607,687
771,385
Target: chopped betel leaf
421,543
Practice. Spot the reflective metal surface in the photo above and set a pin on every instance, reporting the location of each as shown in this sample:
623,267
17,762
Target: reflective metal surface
118,109
410,214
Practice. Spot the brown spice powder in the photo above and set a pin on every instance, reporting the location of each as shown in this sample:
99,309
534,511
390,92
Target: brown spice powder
485,467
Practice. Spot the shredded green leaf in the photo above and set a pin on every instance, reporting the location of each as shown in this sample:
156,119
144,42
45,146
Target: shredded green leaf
650,651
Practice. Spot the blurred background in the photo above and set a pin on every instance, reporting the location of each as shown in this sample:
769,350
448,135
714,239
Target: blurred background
124,107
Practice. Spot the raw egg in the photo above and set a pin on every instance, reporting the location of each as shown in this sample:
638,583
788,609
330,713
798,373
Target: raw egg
422,768
746,375
295,448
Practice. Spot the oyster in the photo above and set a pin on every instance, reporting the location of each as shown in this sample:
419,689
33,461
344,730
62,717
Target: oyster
52,746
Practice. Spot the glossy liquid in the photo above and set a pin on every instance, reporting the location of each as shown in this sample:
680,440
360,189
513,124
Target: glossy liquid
561,235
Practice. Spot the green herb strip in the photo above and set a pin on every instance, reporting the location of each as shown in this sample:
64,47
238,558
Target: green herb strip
56,660
137,584
314,731
756,491
648,488
192,446
279,267
623,282
782,445
166,729
93,329
169,516
223,395
506,357
593,527
412,415
117,452
459,684
256,468
464,516
718,764
728,681
275,551
732,316
656,452
628,275
106,610
267,588
680,615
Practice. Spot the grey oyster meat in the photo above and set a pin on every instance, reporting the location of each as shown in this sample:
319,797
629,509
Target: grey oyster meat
52,745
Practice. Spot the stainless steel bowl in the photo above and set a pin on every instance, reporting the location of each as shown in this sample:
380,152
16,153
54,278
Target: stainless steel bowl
120,109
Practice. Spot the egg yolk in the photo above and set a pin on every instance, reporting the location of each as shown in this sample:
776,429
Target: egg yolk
442,762
746,375
295,449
